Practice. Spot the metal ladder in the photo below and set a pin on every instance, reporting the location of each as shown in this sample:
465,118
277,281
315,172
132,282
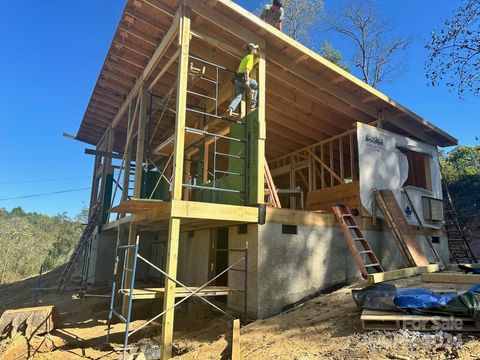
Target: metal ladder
458,246
354,236
66,273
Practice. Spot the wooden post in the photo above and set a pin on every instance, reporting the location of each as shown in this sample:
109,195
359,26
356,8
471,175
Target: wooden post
142,120
174,228
261,127
340,150
128,158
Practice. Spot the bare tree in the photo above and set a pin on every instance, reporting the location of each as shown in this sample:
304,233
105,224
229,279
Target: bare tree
378,55
455,51
301,16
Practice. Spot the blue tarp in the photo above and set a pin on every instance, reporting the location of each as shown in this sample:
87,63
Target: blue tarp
386,296
421,299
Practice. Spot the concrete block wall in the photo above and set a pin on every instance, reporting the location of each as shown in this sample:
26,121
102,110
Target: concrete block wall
193,257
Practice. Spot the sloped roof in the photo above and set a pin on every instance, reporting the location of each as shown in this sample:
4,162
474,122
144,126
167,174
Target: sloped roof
316,87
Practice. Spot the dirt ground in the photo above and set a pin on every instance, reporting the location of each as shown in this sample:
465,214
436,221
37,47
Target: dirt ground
327,327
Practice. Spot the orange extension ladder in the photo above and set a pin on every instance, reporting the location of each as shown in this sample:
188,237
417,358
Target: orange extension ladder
354,236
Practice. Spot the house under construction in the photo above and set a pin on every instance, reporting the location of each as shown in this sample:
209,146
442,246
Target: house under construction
186,201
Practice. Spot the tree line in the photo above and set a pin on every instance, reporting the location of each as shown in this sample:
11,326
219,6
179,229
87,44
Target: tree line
461,173
30,240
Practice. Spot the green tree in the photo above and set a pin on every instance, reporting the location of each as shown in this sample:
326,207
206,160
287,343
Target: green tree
460,162
29,240
333,55
454,51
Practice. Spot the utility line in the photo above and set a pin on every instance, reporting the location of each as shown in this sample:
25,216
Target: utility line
44,194
43,180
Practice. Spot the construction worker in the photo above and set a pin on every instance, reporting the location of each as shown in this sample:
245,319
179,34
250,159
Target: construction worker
273,14
243,81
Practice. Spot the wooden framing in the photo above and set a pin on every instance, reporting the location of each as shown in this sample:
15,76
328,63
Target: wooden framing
452,278
306,111
174,227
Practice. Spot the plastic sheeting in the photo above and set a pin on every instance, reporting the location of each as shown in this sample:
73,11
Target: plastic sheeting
420,299
387,297
376,297
383,166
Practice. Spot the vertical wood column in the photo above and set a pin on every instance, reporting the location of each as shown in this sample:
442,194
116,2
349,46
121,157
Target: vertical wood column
174,226
261,127
128,158
142,120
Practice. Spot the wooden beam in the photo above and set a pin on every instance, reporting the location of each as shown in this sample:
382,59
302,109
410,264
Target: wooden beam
218,212
161,49
225,23
452,278
174,228
401,273
142,121
332,173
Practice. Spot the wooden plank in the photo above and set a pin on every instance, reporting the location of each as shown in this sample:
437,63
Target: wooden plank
453,278
209,211
402,231
324,199
133,206
236,352
401,273
158,293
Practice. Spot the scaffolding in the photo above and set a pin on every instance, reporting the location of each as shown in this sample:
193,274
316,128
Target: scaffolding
197,292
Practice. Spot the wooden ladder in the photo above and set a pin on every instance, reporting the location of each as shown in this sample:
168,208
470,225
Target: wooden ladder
66,273
355,236
458,244
402,231
271,189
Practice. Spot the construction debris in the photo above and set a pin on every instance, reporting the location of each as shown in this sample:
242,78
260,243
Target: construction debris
29,321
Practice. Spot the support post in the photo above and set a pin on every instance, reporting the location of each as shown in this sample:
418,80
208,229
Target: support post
261,127
128,158
142,120
174,226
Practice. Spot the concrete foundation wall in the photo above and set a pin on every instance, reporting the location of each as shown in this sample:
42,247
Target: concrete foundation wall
291,267
193,258
102,258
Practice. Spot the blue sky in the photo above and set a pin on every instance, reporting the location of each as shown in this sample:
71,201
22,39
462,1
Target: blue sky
52,52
